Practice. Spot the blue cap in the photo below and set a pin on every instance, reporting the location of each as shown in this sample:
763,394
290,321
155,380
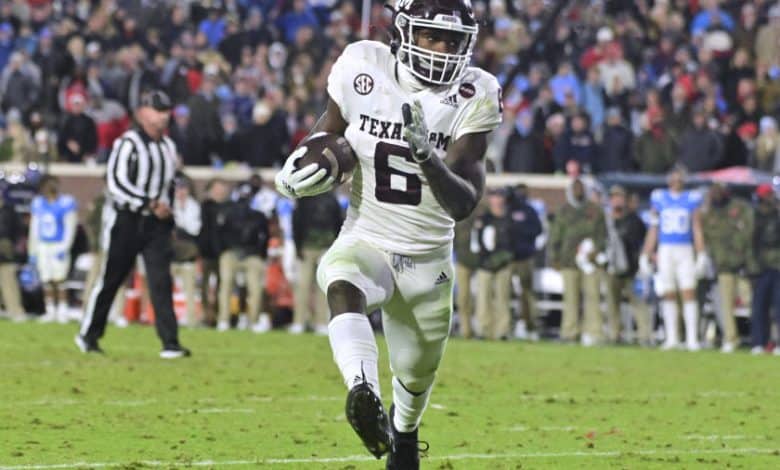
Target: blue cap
181,110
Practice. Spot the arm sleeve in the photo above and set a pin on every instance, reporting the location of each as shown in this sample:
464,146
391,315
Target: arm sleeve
32,236
482,113
121,189
337,79
70,224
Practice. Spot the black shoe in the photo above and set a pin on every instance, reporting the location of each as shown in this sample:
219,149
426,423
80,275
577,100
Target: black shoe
87,346
405,451
368,418
175,352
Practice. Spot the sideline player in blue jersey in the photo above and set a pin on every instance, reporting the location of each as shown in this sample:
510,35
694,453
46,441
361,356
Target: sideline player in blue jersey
53,220
680,257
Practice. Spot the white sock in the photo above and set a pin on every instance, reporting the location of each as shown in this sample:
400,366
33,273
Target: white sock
354,349
670,314
691,316
51,308
409,407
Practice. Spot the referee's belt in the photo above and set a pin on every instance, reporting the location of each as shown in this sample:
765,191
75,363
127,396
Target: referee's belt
126,207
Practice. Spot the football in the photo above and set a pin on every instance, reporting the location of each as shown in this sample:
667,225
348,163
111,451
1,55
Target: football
331,152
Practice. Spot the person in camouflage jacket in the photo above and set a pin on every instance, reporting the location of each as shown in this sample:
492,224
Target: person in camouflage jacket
727,226
579,225
764,267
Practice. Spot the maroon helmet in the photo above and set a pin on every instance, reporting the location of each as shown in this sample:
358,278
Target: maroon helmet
456,17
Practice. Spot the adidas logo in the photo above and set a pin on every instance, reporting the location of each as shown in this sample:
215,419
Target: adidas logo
442,278
451,100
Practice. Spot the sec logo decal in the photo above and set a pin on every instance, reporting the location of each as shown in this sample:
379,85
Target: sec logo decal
363,84
467,90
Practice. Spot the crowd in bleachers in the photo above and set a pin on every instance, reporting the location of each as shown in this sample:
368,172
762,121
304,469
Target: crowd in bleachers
616,86
612,87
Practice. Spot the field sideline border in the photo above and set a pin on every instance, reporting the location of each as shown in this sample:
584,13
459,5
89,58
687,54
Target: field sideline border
363,458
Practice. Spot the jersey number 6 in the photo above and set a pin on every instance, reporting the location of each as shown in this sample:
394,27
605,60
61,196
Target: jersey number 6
411,194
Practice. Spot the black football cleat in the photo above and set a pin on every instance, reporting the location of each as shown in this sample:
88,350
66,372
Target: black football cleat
405,451
368,418
175,352
87,347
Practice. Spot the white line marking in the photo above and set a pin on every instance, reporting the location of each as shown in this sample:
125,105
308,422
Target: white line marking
215,410
718,437
54,401
522,428
364,458
437,406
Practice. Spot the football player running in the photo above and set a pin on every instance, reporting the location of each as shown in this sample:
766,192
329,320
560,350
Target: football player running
417,116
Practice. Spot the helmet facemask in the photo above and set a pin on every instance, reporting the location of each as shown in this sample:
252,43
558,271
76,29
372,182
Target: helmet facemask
431,67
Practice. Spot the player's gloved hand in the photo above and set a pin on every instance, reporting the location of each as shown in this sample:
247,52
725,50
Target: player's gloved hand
703,265
416,132
294,182
645,266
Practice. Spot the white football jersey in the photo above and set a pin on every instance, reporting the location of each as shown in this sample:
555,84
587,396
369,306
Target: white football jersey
392,205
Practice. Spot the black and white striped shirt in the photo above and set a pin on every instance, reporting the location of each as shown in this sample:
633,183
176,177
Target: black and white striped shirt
141,170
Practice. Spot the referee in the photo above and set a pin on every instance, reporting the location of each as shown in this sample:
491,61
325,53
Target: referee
139,176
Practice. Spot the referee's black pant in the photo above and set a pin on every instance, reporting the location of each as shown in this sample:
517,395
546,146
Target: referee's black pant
126,234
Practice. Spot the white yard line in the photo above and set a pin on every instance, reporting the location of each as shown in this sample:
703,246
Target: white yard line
720,437
136,403
215,410
364,458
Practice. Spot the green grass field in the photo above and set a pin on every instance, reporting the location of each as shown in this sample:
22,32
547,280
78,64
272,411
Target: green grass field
276,401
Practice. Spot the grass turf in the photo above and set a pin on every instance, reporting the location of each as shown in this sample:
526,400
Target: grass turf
276,401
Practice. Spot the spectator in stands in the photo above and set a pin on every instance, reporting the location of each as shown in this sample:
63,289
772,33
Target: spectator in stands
245,235
207,133
6,43
300,16
54,62
653,150
768,41
188,222
764,268
525,152
577,144
183,135
747,29
727,226
711,16
626,234
20,86
617,74
10,230
466,264
213,211
213,27
616,148
767,154
22,147
677,117
577,234
593,100
316,224
700,148
263,143
111,120
493,237
77,139
525,228
565,82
